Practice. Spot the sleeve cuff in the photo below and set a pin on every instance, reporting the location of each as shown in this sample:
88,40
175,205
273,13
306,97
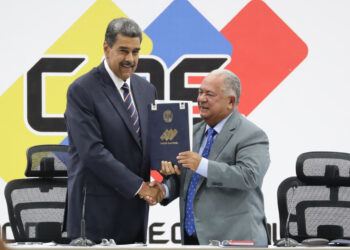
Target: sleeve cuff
143,183
166,191
203,167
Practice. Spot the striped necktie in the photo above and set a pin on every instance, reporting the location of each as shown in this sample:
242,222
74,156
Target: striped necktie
131,108
189,217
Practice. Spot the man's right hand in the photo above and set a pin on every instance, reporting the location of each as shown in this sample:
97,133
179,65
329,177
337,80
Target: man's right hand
169,169
152,192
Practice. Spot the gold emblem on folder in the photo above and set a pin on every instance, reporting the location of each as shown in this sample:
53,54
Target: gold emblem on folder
168,116
168,135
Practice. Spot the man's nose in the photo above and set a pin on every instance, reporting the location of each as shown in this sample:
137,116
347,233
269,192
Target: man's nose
129,57
201,98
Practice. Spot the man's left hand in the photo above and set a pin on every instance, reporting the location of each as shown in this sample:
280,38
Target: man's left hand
189,159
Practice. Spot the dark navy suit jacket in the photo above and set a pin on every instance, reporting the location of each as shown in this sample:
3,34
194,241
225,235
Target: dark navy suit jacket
107,157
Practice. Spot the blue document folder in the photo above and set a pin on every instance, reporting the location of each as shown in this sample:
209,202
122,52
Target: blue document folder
169,132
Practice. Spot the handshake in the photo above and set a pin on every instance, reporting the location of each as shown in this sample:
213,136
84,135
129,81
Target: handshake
152,192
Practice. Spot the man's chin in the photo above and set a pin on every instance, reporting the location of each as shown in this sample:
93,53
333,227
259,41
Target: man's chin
127,73
203,115
126,76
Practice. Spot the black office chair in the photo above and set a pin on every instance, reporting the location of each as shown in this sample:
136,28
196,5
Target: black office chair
36,204
318,199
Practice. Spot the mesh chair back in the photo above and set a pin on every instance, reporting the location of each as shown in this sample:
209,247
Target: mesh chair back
320,204
47,161
36,205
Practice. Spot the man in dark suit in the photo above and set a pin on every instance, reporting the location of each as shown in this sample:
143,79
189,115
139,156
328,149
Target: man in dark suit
106,118
220,186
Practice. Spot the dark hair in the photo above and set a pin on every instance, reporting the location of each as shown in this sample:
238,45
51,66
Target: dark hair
124,26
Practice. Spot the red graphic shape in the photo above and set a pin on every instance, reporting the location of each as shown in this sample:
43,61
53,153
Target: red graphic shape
195,79
195,109
156,175
265,51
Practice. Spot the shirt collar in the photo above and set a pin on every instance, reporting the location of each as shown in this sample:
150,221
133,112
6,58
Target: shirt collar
116,80
218,127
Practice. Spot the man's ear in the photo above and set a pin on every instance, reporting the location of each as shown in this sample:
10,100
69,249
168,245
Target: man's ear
105,47
232,100
232,103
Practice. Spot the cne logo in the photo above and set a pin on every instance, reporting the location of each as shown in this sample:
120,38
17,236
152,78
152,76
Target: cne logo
37,100
168,135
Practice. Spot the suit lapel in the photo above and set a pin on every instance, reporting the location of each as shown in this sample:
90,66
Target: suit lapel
197,139
221,140
114,97
224,137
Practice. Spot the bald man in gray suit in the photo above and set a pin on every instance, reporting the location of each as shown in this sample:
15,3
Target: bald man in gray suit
220,186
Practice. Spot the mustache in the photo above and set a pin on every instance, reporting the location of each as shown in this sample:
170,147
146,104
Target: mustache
127,64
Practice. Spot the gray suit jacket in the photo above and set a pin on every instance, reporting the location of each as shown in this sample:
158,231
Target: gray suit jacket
229,204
